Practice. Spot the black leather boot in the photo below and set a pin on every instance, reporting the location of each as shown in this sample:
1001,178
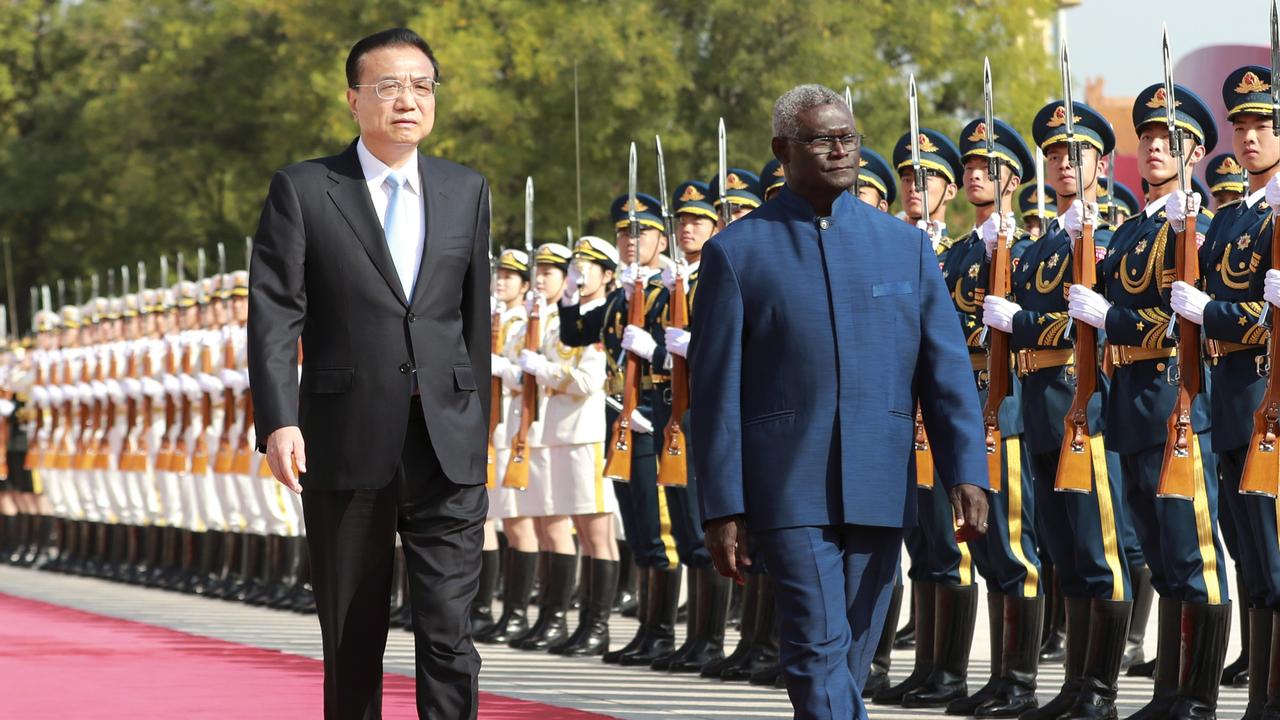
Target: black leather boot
995,640
1272,709
291,580
663,662
1143,596
1108,633
878,678
763,652
583,599
1260,621
482,608
557,593
613,657
1206,630
627,597
250,557
1053,648
713,616
954,617
517,587
1168,637
1236,673
1076,611
664,604
750,592
601,594
1019,659
925,601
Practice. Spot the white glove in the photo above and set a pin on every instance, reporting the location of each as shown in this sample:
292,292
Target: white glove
1271,287
244,373
493,305
98,390
993,229
171,384
1073,219
678,341
571,294
638,341
669,276
7,407
232,379
56,395
132,388
190,388
998,313
153,388
1179,207
933,230
498,365
209,383
1273,193
640,424
1087,306
115,390
1188,302
40,395
629,276
531,362
535,298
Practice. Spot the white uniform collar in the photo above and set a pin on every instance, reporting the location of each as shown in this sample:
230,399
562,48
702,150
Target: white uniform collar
1156,205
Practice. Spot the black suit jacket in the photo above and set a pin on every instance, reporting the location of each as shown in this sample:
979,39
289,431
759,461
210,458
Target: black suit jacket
321,271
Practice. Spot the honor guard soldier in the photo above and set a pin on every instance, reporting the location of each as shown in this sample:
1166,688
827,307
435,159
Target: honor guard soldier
708,594
941,570
1226,180
772,178
1029,208
1178,535
1007,555
1081,529
645,517
1233,261
876,180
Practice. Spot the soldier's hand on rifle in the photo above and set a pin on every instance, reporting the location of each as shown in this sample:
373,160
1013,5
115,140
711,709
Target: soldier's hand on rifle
640,423
1271,287
998,313
677,341
1074,219
535,299
638,341
726,540
1181,206
498,365
287,456
994,228
969,504
1273,193
632,274
1087,306
671,272
531,362
933,229
1188,302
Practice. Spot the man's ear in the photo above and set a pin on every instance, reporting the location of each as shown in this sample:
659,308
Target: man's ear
781,150
950,192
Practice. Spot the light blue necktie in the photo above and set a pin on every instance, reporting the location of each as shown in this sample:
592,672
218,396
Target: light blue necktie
402,246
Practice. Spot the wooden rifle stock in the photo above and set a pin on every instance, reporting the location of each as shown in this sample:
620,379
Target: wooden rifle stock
1075,462
1262,465
495,398
164,458
32,459
924,455
1181,465
673,461
618,467
200,453
517,476
997,367
225,455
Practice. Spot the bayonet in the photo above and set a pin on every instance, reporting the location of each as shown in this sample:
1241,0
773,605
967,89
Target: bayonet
46,299
1114,213
35,307
1171,117
4,325
1040,189
124,280
668,220
722,174
632,224
248,251
62,294
848,98
528,218
142,277
164,272
111,282
993,164
1073,146
181,268
917,169
1275,69
222,259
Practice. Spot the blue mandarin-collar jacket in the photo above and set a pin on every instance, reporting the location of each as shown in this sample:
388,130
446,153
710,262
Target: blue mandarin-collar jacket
815,339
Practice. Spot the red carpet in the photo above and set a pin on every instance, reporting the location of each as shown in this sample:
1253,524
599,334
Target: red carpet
57,663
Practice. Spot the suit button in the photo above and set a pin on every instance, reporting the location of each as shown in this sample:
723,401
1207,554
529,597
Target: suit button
404,368
411,317
824,223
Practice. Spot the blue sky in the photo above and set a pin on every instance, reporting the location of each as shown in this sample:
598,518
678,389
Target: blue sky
1120,39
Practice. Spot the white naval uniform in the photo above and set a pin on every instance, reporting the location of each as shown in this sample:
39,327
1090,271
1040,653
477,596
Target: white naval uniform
502,500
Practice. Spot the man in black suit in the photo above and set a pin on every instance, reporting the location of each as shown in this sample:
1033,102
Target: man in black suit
377,259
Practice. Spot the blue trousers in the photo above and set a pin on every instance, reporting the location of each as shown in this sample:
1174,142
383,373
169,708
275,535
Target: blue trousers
832,587
645,517
931,544
1254,520
686,517
1006,555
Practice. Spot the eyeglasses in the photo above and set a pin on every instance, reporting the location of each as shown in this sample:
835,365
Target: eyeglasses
422,88
826,144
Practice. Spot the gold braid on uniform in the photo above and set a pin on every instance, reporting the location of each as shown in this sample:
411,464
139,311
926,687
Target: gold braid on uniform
1256,334
1139,284
1159,322
1044,287
1054,330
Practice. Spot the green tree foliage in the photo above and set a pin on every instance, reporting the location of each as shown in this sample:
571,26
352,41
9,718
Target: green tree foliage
129,130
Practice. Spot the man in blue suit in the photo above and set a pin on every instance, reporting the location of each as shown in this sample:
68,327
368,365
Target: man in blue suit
821,325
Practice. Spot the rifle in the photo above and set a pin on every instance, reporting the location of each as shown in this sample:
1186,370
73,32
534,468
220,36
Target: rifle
997,342
223,458
200,455
722,176
1078,457
1262,464
618,467
920,445
673,467
517,476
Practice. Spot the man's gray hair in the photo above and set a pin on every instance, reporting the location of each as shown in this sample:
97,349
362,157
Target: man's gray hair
797,100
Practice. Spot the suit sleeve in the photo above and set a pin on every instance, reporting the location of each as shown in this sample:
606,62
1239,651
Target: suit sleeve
277,308
715,366
477,322
944,381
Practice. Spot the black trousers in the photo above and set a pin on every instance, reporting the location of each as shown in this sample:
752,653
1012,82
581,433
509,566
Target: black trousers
351,534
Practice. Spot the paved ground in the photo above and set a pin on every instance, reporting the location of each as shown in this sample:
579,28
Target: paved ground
632,694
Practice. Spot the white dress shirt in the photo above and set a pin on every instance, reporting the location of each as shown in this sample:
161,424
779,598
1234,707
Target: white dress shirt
375,176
